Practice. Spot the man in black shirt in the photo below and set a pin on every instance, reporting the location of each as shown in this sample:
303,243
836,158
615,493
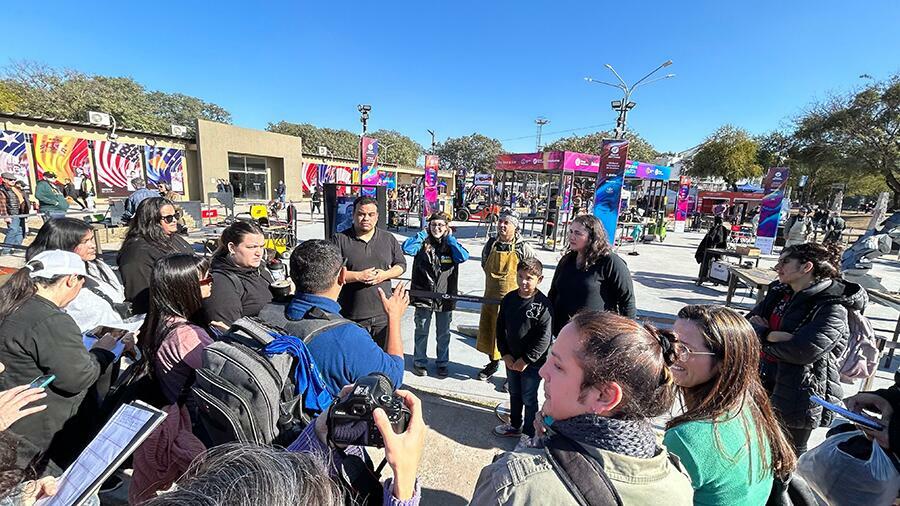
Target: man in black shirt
523,338
373,257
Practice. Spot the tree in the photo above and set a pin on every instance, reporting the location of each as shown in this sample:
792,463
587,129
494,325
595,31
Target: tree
397,148
9,100
638,148
729,153
341,143
858,132
69,94
471,153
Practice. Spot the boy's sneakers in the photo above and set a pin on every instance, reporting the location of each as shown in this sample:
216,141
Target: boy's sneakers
419,371
489,370
507,430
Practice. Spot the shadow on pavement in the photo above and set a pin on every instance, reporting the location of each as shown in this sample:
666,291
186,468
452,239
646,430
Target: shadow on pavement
442,498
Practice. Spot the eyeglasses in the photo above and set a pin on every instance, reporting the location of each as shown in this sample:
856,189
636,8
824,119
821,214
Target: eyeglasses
206,281
683,353
171,218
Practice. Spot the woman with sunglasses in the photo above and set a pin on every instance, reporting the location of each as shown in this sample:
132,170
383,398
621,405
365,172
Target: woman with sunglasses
727,437
171,342
40,339
590,276
152,234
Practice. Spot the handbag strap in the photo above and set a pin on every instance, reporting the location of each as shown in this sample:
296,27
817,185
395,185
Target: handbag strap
585,479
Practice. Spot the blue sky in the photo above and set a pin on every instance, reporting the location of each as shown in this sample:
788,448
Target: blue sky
475,66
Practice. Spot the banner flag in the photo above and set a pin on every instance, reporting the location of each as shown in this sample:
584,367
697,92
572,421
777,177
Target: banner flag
608,190
117,164
430,187
770,208
14,155
67,157
369,168
166,165
681,203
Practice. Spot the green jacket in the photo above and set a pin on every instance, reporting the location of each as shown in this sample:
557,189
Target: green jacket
50,197
525,476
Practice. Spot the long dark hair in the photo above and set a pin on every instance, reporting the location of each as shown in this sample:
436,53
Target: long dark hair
826,259
599,242
637,358
733,340
235,233
21,286
145,224
62,234
174,293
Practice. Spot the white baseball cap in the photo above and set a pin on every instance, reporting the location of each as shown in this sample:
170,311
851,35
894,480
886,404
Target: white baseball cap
51,263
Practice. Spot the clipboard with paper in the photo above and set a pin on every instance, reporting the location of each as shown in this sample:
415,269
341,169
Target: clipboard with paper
118,439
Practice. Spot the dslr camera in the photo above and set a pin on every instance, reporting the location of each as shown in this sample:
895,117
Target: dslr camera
350,420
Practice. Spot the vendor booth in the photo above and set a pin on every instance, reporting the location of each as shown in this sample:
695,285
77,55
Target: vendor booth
562,184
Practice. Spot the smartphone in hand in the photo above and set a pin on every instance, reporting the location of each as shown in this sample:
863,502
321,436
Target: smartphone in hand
42,381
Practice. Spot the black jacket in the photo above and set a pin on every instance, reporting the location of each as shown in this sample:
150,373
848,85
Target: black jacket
604,286
524,327
236,291
136,260
39,339
435,268
892,395
808,363
716,238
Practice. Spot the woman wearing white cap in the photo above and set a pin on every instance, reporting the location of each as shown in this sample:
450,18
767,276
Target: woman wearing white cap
40,339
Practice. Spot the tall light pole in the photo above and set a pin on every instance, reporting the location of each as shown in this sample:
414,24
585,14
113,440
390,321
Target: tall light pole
625,105
541,121
364,110
432,140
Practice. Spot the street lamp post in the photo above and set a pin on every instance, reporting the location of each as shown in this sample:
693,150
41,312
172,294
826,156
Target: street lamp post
625,105
364,119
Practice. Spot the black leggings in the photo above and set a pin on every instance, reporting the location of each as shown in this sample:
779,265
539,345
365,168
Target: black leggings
799,439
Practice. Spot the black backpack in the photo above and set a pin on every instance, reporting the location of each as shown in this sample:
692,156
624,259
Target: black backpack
244,395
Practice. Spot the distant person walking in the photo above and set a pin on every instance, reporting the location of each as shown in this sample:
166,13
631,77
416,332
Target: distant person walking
798,228
52,202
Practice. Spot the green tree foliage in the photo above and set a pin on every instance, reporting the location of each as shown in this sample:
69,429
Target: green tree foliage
341,143
638,148
729,153
471,153
857,133
69,95
9,100
397,148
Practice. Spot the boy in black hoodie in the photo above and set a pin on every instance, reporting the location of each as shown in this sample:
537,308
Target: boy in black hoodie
523,338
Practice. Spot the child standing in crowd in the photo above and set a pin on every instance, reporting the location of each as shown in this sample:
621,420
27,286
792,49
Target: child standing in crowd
523,337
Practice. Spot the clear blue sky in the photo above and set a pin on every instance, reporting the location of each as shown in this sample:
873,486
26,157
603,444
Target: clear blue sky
475,66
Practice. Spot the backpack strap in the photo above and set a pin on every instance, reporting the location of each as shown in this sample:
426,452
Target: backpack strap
585,479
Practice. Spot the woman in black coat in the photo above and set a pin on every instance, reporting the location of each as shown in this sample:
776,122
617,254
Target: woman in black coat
152,234
590,276
802,323
240,280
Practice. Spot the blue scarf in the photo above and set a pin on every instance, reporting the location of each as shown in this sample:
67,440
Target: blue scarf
307,377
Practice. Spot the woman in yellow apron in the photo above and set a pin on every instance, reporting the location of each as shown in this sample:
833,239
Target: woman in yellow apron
500,258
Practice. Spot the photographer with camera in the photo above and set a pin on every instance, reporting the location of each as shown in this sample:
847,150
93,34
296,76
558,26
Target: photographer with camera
367,413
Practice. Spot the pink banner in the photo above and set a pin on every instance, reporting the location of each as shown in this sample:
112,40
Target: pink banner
430,186
681,202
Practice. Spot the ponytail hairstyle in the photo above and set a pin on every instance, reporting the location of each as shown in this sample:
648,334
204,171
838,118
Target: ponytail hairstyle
826,259
634,356
235,233
736,386
21,286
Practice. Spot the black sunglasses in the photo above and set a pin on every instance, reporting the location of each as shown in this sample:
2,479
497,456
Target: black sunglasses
172,218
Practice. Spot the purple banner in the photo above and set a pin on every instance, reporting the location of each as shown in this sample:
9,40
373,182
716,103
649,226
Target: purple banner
369,168
681,202
643,170
770,209
581,162
430,187
608,190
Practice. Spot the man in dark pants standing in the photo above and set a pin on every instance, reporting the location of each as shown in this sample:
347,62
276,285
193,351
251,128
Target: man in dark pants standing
373,257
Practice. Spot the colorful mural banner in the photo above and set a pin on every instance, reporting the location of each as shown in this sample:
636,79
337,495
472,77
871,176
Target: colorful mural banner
166,165
681,203
67,157
430,187
608,190
770,208
641,170
14,156
387,179
577,162
117,164
317,174
369,168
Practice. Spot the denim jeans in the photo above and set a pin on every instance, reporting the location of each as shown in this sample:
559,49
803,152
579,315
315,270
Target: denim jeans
422,318
523,392
15,232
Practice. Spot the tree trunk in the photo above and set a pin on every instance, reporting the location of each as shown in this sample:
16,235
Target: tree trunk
894,185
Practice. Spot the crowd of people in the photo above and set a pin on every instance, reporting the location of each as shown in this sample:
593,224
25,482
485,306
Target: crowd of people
744,383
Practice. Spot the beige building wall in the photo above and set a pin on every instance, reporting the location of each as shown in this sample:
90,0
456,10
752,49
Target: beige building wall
282,153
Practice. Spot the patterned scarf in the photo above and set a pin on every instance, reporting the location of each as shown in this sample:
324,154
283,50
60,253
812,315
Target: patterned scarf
634,438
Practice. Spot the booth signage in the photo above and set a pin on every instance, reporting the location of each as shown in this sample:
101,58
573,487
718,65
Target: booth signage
641,170
369,169
681,203
430,187
770,209
608,190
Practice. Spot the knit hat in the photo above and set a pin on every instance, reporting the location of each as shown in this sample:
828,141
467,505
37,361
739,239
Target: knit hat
52,263
510,216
